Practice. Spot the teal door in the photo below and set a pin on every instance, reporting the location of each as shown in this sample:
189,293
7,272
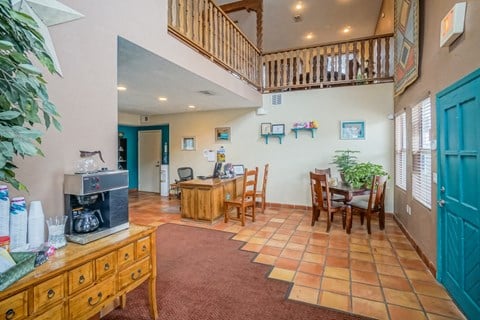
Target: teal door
458,133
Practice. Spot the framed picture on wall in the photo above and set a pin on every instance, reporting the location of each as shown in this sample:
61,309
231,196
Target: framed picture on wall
265,128
222,134
278,129
188,143
352,130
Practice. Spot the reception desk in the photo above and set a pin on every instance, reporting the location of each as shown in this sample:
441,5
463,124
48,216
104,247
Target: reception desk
203,199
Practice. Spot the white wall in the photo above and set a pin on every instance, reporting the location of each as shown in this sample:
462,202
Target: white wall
291,161
86,96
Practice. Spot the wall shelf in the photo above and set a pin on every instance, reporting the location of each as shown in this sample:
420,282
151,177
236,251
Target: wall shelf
312,131
279,136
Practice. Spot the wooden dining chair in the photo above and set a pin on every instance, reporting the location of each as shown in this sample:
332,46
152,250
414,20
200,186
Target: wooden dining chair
322,200
245,200
335,197
261,194
375,203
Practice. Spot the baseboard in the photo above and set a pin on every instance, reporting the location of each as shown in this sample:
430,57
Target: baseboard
287,206
422,255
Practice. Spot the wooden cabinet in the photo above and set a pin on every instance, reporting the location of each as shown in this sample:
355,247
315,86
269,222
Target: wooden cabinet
80,281
203,199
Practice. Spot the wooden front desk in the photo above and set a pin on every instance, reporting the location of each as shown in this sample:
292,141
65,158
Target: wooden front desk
80,281
203,199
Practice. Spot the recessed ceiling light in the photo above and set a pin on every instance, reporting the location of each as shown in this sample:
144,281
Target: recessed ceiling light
347,29
299,6
191,107
309,36
121,88
162,98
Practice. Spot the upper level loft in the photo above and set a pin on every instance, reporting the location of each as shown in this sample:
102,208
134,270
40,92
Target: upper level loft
207,28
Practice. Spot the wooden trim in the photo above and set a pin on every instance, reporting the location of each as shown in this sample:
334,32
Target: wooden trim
388,35
242,5
430,265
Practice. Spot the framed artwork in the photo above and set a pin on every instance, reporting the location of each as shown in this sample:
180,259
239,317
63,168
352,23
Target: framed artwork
265,128
222,134
278,129
189,144
352,130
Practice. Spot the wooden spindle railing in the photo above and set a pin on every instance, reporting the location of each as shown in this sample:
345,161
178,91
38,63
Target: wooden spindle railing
365,60
204,26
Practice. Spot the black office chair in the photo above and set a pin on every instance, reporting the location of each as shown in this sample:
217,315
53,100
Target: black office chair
185,174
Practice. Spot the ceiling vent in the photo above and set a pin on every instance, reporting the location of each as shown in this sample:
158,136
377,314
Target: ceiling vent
144,119
207,92
276,99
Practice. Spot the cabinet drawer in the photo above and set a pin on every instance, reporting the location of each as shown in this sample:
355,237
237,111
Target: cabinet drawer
14,307
80,277
105,265
143,247
125,255
48,292
133,273
52,313
91,300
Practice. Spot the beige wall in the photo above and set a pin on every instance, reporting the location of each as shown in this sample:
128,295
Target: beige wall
439,67
86,96
386,18
291,161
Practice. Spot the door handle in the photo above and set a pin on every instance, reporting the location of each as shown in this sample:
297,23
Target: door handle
441,202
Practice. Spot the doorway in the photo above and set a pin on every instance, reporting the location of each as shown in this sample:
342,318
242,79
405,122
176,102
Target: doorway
149,158
458,116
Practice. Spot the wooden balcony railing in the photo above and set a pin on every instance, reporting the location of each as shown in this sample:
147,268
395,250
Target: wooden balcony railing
204,26
366,60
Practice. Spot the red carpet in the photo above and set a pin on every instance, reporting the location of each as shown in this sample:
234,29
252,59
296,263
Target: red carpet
203,275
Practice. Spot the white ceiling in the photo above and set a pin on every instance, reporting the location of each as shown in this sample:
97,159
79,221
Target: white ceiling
148,76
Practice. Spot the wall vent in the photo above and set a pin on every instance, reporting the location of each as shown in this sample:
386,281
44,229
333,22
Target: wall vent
276,99
144,119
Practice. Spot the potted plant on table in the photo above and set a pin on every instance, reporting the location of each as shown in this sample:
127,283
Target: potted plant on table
344,159
361,174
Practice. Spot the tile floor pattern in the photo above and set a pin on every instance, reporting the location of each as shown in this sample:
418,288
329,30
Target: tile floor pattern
379,276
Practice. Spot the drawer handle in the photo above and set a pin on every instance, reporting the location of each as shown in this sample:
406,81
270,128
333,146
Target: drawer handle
81,279
139,272
106,266
50,293
144,248
99,298
9,314
126,256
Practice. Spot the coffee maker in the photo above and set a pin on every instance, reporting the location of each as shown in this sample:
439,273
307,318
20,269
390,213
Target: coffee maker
96,204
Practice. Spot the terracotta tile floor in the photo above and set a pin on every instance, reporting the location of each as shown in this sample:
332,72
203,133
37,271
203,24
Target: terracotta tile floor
379,276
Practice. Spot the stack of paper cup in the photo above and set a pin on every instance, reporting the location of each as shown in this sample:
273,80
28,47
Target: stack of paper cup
36,225
18,224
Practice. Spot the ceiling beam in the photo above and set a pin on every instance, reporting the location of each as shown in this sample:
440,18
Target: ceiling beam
248,5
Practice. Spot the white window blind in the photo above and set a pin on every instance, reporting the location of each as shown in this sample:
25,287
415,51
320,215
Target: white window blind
422,153
401,151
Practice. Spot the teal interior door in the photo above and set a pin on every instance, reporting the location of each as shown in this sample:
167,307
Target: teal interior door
458,133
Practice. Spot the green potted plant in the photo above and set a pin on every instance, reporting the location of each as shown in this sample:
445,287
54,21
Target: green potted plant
24,103
361,174
344,159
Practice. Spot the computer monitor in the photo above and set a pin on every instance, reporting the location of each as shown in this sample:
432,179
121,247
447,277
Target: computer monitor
217,169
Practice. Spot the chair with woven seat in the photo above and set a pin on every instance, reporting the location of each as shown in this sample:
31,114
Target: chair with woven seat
261,194
246,199
322,201
375,203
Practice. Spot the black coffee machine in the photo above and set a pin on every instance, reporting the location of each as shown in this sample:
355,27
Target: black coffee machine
96,204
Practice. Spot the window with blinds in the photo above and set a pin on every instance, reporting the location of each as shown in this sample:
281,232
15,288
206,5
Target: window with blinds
401,151
422,152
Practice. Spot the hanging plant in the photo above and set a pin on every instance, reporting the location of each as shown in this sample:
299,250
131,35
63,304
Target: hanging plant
24,102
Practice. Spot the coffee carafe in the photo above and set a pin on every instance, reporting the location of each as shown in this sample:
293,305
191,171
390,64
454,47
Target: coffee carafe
86,220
